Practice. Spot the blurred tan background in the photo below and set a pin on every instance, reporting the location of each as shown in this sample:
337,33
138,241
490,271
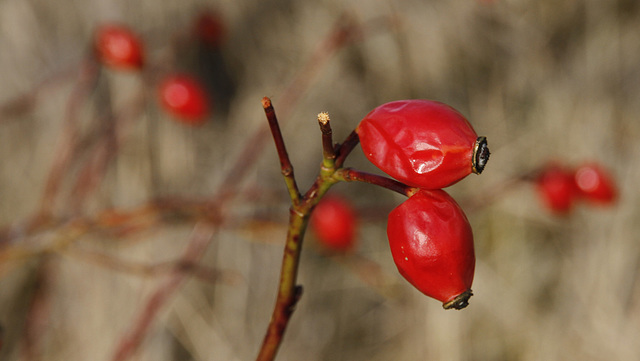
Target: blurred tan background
541,79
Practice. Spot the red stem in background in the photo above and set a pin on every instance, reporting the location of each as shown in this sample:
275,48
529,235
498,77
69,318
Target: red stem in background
37,319
196,246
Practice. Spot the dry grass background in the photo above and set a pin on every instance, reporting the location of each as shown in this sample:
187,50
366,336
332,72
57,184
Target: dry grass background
541,79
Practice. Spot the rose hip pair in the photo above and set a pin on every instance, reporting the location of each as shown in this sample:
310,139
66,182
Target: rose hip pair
428,145
560,186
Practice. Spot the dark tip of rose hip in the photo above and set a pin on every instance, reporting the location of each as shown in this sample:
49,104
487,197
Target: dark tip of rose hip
461,301
480,155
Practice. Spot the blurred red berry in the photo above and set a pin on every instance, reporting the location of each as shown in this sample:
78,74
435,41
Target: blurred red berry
432,245
119,47
334,223
209,29
422,143
557,188
184,97
595,184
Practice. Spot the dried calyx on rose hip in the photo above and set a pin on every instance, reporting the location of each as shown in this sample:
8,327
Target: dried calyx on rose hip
118,46
432,245
184,97
422,143
334,222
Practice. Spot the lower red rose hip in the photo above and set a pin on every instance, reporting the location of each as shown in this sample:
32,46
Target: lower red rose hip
431,243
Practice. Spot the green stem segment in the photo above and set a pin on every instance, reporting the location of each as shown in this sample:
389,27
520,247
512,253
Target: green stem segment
288,292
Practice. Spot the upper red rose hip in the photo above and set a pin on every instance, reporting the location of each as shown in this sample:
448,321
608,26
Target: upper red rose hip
431,243
422,143
595,184
118,47
334,223
184,97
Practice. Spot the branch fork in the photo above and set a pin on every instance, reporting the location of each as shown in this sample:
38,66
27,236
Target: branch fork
331,172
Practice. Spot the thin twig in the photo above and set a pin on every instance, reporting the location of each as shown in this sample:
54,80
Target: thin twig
198,242
346,147
67,147
109,142
285,162
25,102
349,175
328,151
204,273
39,312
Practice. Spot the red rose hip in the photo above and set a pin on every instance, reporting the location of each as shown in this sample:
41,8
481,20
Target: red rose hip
556,187
432,245
184,97
595,184
422,143
119,47
334,224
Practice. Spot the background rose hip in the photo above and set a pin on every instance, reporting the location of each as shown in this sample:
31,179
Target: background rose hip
556,187
183,96
119,47
432,245
334,223
209,28
422,143
595,184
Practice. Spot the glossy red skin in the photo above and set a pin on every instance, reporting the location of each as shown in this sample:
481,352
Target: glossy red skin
334,223
432,244
557,189
118,47
183,96
422,143
595,184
